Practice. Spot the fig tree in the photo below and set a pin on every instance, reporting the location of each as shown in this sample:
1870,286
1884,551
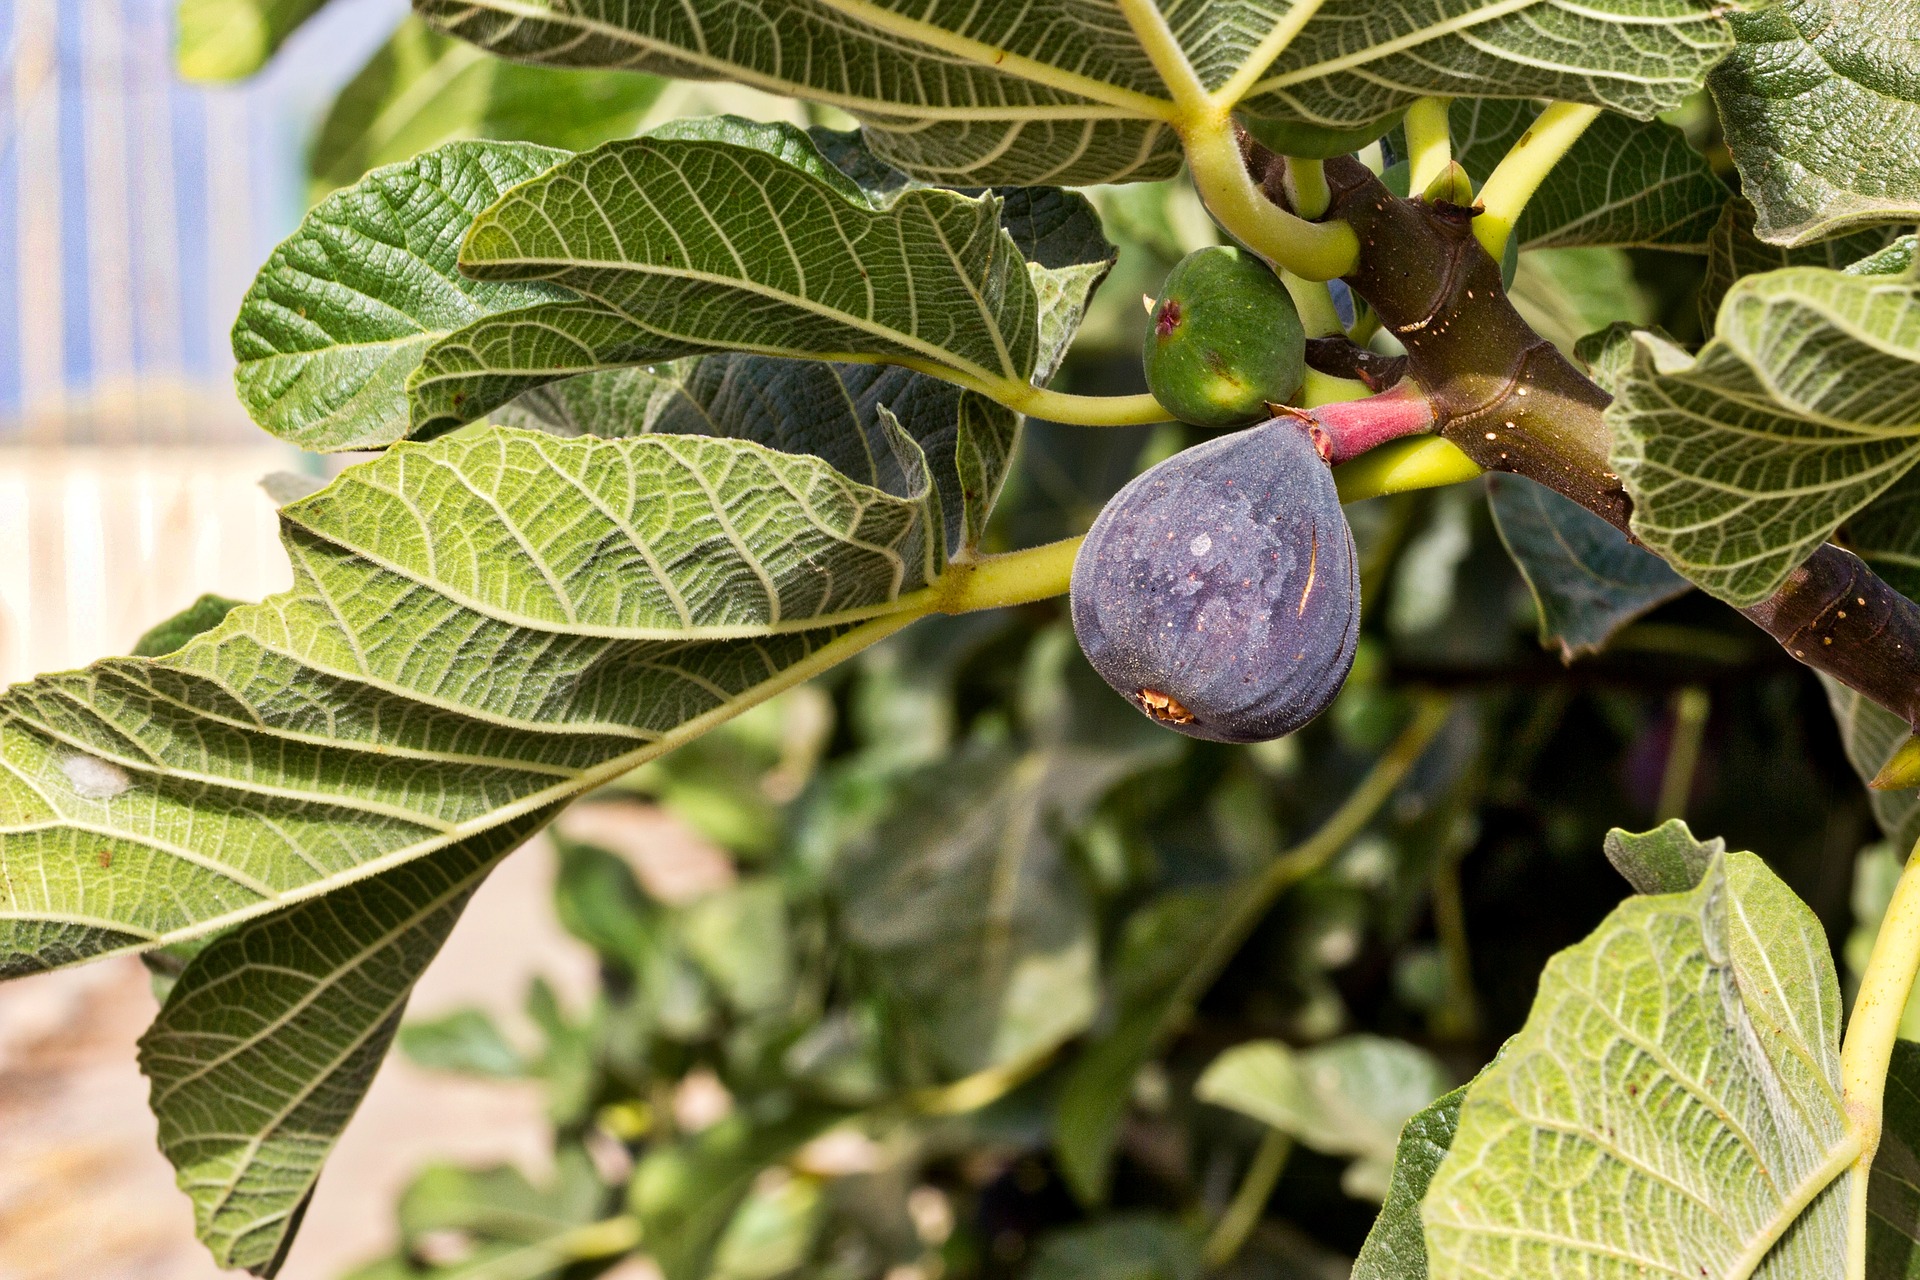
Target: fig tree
1219,591
1224,340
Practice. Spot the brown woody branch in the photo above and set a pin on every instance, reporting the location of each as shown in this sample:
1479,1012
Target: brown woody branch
1512,402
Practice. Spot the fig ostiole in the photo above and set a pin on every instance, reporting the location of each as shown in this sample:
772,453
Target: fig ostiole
1224,340
1219,591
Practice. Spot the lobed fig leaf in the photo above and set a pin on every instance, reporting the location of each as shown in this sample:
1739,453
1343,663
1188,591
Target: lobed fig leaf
1225,340
1219,591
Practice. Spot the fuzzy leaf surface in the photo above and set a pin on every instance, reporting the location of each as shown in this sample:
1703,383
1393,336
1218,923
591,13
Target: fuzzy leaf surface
571,609
1396,1247
1063,93
342,312
1821,104
269,1040
1803,408
727,235
1672,1105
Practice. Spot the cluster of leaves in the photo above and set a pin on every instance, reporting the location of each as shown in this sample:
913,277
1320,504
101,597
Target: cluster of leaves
754,395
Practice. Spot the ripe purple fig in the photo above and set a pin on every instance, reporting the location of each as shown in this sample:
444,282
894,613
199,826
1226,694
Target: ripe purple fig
1219,592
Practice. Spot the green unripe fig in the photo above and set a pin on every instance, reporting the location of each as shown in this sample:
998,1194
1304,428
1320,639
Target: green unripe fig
1224,340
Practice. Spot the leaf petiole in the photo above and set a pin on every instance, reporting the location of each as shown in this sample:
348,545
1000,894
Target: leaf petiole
1429,144
1867,1049
1522,170
1314,250
1079,411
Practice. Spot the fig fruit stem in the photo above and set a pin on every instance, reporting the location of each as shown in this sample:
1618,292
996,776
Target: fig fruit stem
1422,462
1867,1049
1346,429
1521,171
1429,143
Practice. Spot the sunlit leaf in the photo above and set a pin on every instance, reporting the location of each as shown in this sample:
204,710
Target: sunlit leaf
1672,1104
728,235
269,1040
344,309
1733,251
973,95
1803,407
1821,103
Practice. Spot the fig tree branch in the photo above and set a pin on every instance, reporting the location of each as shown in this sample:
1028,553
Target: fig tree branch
1507,399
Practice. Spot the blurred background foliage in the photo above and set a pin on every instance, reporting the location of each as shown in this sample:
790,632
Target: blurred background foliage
991,978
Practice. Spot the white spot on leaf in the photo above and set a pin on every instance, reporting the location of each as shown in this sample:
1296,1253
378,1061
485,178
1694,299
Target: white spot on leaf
94,778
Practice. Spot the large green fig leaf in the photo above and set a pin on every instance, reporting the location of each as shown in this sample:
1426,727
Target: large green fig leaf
1587,579
269,1040
218,40
833,411
1065,93
593,604
1821,104
342,312
1672,1105
423,89
726,235
1803,408
1626,183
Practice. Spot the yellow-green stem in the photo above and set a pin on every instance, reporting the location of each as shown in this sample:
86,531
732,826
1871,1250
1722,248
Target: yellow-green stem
1429,144
1690,707
1307,188
1017,577
1867,1049
1312,299
1081,411
1421,462
1522,170
1325,388
1315,250
1243,1214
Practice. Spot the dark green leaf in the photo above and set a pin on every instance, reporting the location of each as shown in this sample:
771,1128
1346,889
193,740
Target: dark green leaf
204,614
1587,579
1123,1247
1396,1248
1733,251
1893,1192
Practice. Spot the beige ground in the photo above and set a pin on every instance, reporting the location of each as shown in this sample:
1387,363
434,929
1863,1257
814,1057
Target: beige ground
84,1193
